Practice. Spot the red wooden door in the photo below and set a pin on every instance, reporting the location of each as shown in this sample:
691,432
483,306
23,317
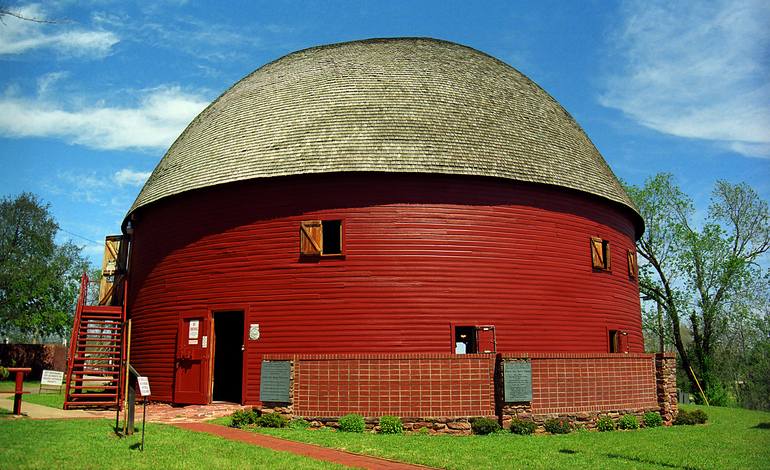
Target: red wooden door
192,383
485,339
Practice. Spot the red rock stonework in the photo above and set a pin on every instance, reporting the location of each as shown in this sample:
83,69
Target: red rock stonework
665,372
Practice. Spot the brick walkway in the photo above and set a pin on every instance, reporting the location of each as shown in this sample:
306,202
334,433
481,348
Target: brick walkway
308,450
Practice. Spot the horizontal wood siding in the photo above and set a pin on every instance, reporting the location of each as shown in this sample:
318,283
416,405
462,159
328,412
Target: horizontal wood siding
420,252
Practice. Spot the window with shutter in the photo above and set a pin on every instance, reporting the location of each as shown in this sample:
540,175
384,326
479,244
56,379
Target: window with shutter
320,238
633,267
600,254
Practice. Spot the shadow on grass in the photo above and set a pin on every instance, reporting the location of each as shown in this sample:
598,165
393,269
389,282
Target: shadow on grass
568,451
762,426
648,461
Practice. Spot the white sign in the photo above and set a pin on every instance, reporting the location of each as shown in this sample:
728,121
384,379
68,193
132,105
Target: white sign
254,331
192,341
194,328
144,386
205,342
52,377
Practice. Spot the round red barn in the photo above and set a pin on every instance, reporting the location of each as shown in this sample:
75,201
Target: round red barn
384,196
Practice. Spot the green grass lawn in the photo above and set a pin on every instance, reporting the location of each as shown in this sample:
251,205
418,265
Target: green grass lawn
733,438
91,444
8,386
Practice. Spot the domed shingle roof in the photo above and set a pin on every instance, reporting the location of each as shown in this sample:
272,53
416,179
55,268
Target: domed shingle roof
387,105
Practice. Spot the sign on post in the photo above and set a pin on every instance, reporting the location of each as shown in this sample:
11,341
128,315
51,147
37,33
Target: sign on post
54,378
144,386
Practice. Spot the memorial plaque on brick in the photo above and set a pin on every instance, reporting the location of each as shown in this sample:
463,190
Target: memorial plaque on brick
274,381
517,379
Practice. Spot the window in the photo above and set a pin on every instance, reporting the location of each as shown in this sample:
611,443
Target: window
600,254
320,238
618,341
465,340
633,268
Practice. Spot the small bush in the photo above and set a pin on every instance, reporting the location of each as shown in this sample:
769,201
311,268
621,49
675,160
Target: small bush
352,423
271,420
483,426
391,425
299,423
523,427
558,426
4,373
690,417
628,422
605,423
424,431
652,419
242,418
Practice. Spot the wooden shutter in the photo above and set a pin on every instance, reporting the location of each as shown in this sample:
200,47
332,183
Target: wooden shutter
310,238
633,268
597,253
607,257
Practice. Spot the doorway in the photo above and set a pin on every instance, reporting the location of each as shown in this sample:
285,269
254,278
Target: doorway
228,357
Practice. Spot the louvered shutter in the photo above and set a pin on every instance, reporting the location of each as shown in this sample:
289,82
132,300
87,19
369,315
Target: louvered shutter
310,238
597,253
633,267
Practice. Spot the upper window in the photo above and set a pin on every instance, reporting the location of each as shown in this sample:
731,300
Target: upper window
600,254
320,237
633,268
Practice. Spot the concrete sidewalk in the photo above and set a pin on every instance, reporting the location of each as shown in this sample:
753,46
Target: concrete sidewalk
33,411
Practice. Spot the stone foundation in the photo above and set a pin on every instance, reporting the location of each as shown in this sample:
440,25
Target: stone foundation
665,373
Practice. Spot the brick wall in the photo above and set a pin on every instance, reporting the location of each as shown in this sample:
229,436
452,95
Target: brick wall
405,385
569,383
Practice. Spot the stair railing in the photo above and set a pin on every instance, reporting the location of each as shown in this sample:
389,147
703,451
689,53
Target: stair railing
75,332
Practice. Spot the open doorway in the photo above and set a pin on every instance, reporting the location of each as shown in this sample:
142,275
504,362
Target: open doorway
228,356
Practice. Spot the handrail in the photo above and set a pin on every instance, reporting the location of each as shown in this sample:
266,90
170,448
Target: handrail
75,331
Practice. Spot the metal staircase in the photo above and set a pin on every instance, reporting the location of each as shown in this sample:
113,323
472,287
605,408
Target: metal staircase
96,360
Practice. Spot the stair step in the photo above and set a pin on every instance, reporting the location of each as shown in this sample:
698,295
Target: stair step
94,387
93,395
68,405
94,372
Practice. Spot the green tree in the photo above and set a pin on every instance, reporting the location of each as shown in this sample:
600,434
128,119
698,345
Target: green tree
38,277
695,274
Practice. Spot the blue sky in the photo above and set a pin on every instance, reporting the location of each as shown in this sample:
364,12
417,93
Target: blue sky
89,105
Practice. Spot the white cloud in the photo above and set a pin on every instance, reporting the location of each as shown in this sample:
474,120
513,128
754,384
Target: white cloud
156,120
696,70
129,177
18,36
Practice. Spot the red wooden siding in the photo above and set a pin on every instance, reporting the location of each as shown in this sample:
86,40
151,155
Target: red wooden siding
421,252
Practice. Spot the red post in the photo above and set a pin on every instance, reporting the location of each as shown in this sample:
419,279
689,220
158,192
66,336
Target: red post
20,371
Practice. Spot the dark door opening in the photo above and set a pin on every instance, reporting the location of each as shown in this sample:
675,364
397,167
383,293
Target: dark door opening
228,356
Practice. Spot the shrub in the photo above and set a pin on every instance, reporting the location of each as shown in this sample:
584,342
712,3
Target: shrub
352,423
483,426
4,373
523,427
299,423
628,422
242,418
271,420
423,430
652,419
391,425
558,426
605,423
690,417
